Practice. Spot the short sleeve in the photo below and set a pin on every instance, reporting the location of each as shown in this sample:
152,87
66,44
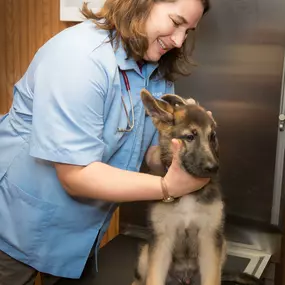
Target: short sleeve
69,94
168,90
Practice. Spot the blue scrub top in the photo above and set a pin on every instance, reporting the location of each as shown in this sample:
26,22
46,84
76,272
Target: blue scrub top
67,108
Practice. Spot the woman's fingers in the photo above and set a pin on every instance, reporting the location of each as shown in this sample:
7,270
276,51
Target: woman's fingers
176,145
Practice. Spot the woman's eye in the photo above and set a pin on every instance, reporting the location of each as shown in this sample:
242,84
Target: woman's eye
176,24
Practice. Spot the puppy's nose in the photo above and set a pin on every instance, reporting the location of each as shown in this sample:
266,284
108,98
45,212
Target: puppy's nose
211,167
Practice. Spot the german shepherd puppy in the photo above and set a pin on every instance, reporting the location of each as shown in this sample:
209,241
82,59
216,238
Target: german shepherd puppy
188,238
188,244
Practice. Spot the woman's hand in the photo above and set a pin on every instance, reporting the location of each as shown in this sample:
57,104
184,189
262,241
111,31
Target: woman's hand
177,180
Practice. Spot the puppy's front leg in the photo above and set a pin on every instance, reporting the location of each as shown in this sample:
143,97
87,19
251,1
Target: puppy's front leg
160,257
210,258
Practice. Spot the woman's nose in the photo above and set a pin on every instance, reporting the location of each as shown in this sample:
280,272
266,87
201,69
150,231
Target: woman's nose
178,39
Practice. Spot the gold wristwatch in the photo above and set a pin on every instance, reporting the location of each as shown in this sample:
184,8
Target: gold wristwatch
166,197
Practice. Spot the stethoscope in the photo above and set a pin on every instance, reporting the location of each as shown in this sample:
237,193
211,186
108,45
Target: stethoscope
130,124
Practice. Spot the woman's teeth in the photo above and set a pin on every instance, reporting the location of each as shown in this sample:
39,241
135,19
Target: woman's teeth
161,44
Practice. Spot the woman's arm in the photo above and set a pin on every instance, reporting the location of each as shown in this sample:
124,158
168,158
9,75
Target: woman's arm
101,181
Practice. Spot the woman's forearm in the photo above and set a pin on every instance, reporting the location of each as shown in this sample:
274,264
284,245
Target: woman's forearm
101,181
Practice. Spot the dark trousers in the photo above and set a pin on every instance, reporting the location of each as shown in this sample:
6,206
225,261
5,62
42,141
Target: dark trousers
14,272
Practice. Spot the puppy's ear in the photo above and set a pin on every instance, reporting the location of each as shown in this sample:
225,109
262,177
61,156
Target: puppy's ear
175,100
159,111
212,118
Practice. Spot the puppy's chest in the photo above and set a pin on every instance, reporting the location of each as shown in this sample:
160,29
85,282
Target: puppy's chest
186,213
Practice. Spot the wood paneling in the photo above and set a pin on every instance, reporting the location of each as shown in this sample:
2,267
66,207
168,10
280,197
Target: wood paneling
113,229
25,25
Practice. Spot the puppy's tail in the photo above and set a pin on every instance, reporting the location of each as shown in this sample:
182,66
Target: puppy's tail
240,279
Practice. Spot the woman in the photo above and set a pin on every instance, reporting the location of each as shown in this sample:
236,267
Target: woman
70,151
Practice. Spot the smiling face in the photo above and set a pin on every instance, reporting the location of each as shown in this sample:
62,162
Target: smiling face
168,25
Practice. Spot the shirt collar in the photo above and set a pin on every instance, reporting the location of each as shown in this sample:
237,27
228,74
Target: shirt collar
123,61
126,63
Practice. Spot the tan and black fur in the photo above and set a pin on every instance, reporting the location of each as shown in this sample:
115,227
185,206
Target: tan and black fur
188,241
187,244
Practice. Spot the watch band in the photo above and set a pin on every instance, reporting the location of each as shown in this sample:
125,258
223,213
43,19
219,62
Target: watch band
166,197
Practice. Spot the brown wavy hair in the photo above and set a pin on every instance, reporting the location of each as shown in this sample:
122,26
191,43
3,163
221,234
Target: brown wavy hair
125,19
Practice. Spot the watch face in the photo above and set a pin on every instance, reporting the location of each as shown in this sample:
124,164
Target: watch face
169,199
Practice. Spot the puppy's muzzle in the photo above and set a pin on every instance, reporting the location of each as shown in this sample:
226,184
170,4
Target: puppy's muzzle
211,167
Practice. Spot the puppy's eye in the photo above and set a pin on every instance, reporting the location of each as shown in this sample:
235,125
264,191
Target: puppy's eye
190,137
